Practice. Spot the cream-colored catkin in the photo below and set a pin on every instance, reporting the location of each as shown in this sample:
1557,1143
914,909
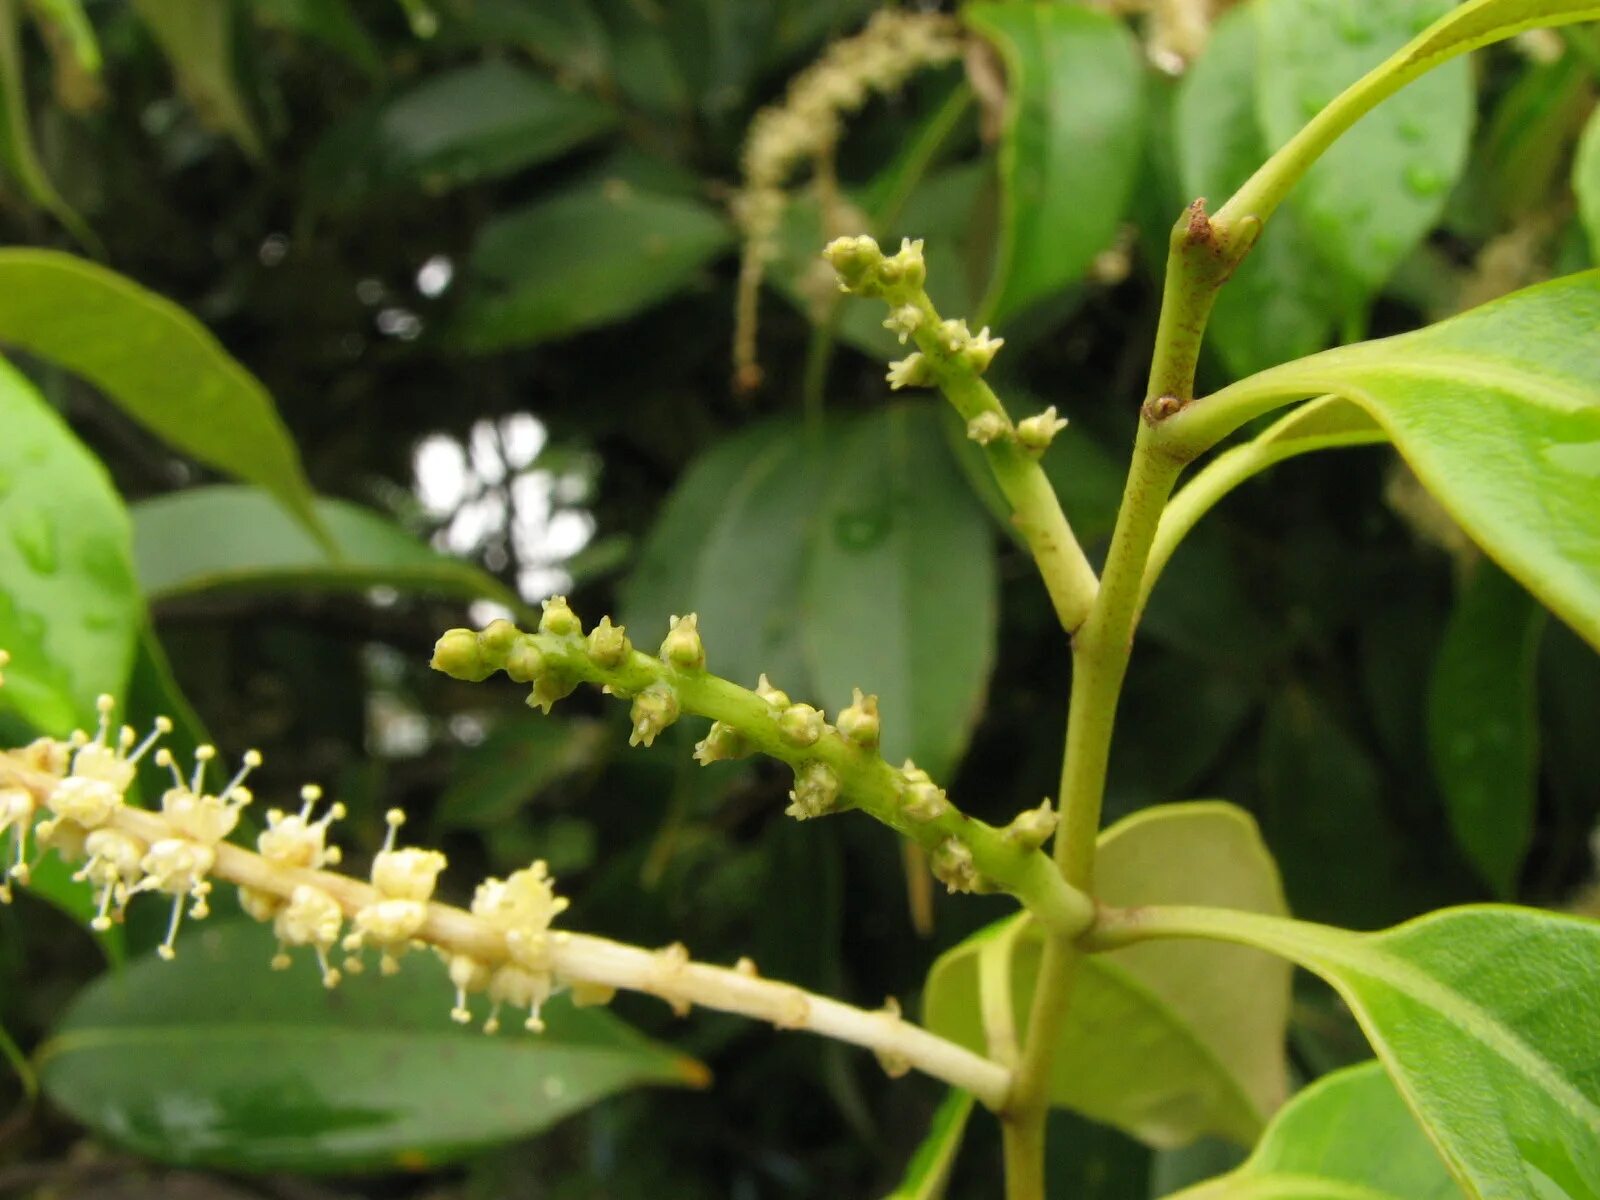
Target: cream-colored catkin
805,127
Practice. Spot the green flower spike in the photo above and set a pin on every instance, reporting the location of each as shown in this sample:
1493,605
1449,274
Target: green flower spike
721,744
559,619
1035,433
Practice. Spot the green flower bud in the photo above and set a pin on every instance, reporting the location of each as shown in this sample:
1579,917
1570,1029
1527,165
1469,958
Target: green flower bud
859,722
979,351
654,709
922,799
682,647
953,335
458,654
816,792
496,638
721,743
856,260
559,619
800,724
904,321
524,661
1032,829
608,645
905,273
989,427
951,863
1035,433
776,697
911,371
549,687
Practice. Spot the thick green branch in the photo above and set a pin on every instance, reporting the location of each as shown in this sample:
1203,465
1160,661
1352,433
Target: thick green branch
838,769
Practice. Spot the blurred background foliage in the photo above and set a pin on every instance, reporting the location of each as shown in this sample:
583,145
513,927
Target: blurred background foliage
480,254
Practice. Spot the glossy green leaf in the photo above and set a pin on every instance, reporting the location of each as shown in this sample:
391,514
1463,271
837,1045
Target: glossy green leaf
1483,728
1370,198
1280,304
585,257
565,34
197,38
18,156
1069,153
1346,1137
216,1060
231,538
1164,1046
730,545
1586,181
475,122
157,362
69,611
1485,1018
929,1170
330,22
900,595
1498,413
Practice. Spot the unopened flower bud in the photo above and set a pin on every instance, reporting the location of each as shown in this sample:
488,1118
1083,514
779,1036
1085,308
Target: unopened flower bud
979,351
776,697
856,260
608,645
859,722
988,427
800,724
923,800
951,862
496,639
654,709
559,619
816,792
953,335
458,654
682,647
903,321
549,687
1035,433
911,371
904,273
524,662
1032,828
721,743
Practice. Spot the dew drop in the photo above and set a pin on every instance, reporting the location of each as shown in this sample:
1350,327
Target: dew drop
1412,130
861,529
1424,180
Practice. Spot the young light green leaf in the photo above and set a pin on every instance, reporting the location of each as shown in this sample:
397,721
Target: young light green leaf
1497,411
900,591
1373,194
1070,150
928,1173
1485,1019
730,542
18,156
69,610
1346,1137
231,538
197,38
585,257
157,362
215,1060
475,122
1483,728
1165,1047
1281,303
1586,181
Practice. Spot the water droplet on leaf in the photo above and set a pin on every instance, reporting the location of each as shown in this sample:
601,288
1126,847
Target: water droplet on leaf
34,535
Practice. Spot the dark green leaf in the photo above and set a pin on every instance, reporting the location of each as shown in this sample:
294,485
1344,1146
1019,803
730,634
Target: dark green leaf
1379,188
1070,150
18,156
328,21
69,611
197,38
900,591
1498,412
229,538
929,1170
522,757
730,546
583,258
216,1060
1164,1046
1482,722
1280,303
565,34
476,122
157,362
1346,1137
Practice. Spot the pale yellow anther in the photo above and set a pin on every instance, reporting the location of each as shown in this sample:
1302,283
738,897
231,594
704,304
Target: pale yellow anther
467,975
114,867
17,808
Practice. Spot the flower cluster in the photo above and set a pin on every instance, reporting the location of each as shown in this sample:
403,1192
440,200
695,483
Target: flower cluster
806,126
